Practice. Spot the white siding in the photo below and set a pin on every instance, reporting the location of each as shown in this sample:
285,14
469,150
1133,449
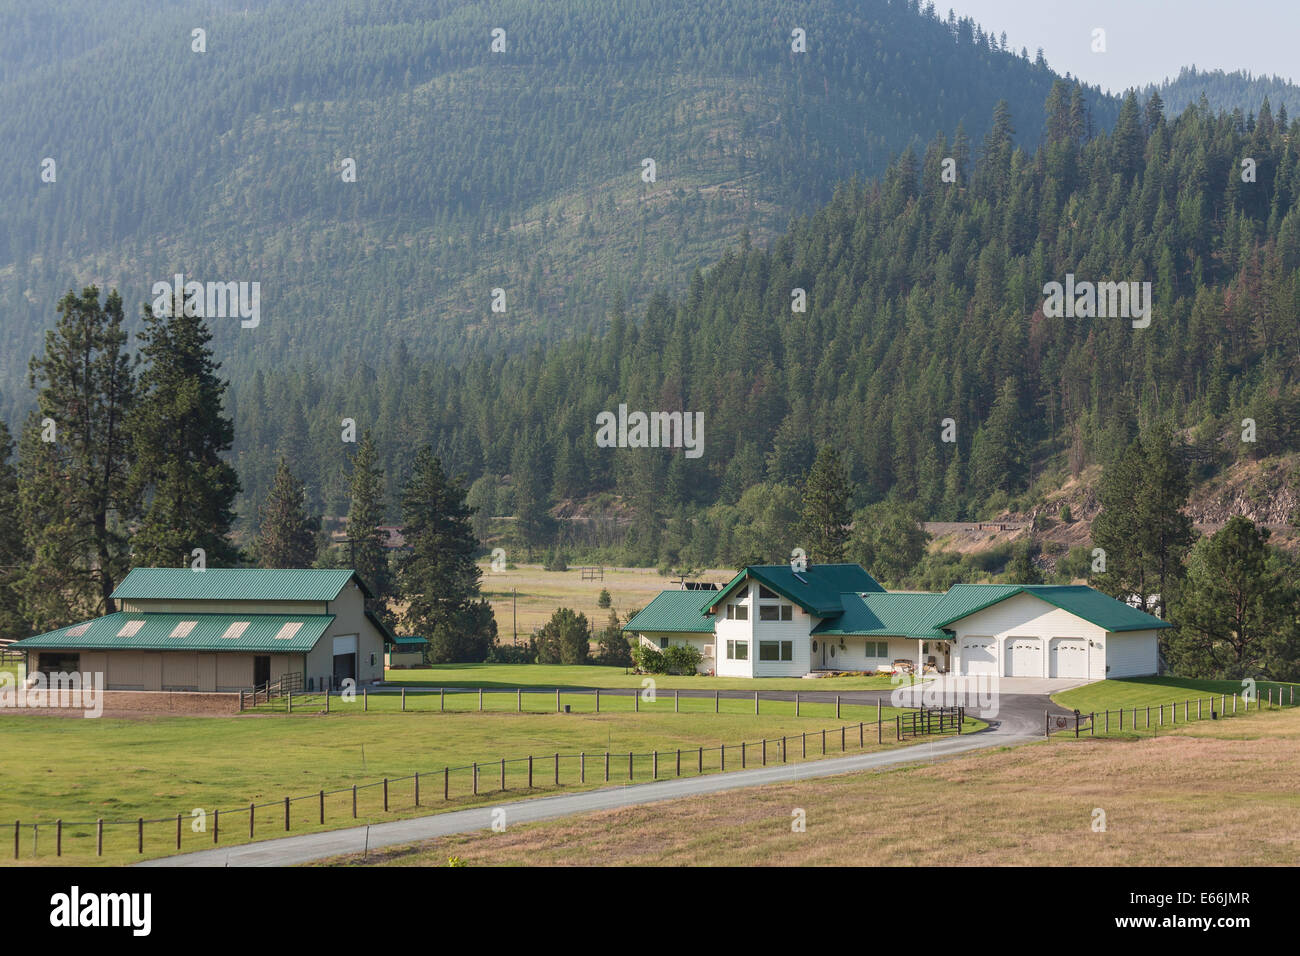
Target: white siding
736,631
795,631
1131,653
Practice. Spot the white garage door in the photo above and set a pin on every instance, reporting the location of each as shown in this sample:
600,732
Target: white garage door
1069,657
978,656
1024,657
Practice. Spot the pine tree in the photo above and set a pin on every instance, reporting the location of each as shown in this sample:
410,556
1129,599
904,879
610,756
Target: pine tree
75,499
180,437
438,577
286,536
827,503
13,549
1237,611
366,553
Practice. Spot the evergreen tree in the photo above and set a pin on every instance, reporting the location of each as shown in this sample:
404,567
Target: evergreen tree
614,650
75,498
366,552
1237,614
827,499
13,549
564,639
437,577
286,536
179,437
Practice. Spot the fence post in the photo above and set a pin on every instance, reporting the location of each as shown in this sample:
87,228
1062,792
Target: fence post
58,835
1187,707
783,748
385,794
803,743
446,782
252,808
677,702
216,825
366,700
1148,716
898,726
1234,705
1047,723
629,765
861,743
442,699
823,741
503,777
475,770
557,700
480,700
715,701
796,703
837,706
755,703
139,830
679,761
530,771
724,756
354,801
582,767
636,701
607,766
1198,708
598,700
1121,718
286,822
654,773
289,700
743,748
764,751
322,799
701,764
519,700
841,738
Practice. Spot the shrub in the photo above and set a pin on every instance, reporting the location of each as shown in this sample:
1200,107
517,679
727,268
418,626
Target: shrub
681,659
511,654
604,600
557,561
648,660
615,651
565,639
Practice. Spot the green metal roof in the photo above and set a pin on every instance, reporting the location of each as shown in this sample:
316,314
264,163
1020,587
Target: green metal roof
897,615
678,611
236,584
1088,603
151,631
409,639
817,590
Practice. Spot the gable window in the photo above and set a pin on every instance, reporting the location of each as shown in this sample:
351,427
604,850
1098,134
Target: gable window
775,612
737,650
766,594
776,650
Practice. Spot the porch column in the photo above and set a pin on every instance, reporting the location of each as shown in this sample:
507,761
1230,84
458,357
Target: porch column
920,657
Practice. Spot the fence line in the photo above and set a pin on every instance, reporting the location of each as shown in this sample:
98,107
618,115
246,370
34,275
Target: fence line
776,749
1081,723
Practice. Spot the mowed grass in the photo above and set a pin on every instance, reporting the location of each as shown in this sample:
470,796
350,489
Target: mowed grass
79,770
1154,691
1216,794
513,676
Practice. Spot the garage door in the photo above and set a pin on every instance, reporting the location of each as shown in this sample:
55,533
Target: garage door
1024,657
1069,657
978,656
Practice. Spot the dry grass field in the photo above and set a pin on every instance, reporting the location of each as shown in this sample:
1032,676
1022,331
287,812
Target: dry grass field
540,592
1218,794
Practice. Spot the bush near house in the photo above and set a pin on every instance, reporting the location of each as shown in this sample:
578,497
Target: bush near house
680,659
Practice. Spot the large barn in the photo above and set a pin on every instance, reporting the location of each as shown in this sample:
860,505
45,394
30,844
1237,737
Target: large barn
222,630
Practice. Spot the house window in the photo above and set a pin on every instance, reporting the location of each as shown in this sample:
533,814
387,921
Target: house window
787,612
767,595
663,642
775,612
737,612
737,650
877,649
776,650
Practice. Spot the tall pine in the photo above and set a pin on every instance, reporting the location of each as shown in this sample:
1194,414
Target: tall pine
76,502
286,536
366,553
180,435
827,507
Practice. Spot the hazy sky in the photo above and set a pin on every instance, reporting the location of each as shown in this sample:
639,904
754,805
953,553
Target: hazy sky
1146,40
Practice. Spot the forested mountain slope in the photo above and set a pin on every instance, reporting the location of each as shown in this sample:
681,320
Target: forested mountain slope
475,170
925,304
1238,90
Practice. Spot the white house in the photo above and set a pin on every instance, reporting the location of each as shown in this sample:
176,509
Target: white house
773,621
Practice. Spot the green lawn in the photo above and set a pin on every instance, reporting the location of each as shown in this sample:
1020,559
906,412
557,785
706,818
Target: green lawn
79,770
512,676
1154,691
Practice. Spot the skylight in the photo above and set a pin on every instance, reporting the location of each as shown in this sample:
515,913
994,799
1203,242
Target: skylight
131,628
236,629
288,630
183,629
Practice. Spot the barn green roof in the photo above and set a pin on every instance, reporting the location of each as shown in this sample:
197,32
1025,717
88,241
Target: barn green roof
817,589
678,611
236,584
897,615
152,631
1088,603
